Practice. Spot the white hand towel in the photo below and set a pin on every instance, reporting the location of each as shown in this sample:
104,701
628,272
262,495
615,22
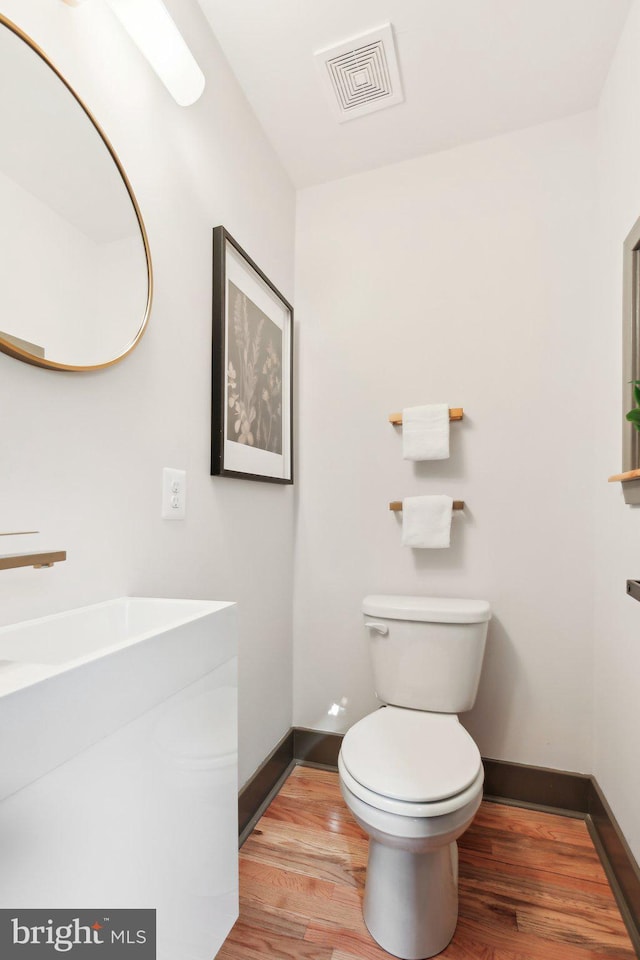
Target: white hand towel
426,521
425,432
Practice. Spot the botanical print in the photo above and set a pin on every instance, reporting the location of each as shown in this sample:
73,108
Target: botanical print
254,375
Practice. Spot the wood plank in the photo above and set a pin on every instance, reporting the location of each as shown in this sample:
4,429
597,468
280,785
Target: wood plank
531,885
454,951
316,815
307,851
305,783
357,943
557,919
508,945
265,918
302,905
554,857
251,943
595,929
277,877
474,864
530,823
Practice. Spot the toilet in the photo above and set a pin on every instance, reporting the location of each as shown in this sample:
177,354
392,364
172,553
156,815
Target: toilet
409,772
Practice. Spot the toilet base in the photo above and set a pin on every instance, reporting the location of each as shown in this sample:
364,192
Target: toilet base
411,899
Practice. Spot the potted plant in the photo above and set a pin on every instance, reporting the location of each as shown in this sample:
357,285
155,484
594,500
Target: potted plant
634,415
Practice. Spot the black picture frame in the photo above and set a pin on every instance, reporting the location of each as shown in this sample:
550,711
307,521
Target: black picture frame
252,369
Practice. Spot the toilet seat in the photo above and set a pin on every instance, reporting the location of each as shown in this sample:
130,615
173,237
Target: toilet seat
411,762
422,811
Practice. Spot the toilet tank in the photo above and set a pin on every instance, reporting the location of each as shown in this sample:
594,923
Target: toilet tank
427,651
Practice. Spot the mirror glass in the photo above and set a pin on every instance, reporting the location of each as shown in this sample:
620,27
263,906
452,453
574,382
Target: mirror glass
631,348
75,266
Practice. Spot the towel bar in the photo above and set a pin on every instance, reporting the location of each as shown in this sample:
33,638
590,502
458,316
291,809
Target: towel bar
397,505
455,413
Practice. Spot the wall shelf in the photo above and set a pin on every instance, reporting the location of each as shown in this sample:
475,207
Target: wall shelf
624,477
42,559
630,481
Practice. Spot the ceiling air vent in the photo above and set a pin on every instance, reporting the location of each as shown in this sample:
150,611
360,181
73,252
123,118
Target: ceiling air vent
362,74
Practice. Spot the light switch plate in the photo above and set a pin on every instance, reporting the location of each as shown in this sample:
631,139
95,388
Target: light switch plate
174,494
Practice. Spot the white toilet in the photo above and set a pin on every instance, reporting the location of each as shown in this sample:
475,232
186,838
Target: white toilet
409,772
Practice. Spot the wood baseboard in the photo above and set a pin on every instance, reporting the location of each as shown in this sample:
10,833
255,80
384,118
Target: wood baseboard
538,787
617,859
556,791
316,747
263,785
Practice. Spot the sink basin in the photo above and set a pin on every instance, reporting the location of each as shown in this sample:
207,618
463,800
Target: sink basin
77,636
118,765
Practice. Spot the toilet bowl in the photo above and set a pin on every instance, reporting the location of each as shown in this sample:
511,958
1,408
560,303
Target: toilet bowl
412,776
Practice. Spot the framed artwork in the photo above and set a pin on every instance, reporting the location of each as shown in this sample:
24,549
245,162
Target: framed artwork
252,361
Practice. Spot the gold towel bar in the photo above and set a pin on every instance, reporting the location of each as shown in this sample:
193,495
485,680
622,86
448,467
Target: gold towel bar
397,505
455,413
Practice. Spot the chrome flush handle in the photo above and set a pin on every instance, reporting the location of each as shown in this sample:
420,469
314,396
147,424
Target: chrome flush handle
380,628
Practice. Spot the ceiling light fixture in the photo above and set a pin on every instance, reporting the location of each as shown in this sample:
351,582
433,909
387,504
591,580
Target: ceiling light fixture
151,28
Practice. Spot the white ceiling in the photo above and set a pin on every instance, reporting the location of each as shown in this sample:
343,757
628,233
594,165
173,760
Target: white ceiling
470,69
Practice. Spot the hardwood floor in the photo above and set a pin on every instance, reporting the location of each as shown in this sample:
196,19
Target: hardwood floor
531,885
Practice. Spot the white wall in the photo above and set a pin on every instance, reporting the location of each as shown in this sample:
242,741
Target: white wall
617,653
464,277
82,454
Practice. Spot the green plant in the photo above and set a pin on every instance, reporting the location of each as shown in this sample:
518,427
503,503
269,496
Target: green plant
634,415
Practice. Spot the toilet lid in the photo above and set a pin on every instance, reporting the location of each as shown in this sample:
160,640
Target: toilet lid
410,755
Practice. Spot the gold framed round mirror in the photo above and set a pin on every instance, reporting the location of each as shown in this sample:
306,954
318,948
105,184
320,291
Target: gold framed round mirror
77,279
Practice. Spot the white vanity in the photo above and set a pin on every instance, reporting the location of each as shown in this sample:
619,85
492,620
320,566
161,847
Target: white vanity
118,766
